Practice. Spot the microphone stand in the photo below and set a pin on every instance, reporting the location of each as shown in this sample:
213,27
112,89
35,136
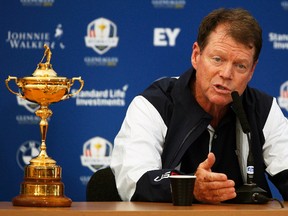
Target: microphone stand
250,193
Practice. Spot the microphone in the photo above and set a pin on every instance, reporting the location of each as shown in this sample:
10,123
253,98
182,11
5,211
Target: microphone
248,193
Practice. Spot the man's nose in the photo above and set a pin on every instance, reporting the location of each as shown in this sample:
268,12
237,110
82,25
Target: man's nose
227,71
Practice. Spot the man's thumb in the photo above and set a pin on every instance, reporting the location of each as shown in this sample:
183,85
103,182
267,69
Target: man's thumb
208,163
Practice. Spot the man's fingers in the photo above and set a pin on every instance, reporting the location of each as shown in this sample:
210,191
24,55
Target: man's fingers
222,185
214,192
214,177
223,194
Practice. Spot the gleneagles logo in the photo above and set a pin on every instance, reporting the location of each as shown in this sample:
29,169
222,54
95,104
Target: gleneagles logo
30,106
101,35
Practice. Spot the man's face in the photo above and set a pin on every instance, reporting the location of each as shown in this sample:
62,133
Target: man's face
222,66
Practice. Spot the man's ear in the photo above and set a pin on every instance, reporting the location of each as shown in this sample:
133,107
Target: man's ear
195,55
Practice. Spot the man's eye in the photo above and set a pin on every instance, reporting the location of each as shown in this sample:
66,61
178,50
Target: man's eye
217,59
241,67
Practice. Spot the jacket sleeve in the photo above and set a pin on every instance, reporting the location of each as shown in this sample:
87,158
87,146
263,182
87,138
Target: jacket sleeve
137,150
275,149
153,186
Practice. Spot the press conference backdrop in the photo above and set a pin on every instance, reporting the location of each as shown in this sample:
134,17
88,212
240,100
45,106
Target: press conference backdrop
118,47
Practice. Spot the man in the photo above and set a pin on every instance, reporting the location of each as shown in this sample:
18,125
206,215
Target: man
187,125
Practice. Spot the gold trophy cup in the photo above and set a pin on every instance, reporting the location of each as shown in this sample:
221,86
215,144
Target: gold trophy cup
42,186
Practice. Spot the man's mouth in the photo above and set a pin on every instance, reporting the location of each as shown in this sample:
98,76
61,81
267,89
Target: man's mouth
222,89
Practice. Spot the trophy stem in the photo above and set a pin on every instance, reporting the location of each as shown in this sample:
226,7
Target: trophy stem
44,113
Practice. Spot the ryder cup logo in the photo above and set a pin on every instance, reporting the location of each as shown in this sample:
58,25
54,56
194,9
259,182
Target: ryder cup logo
283,98
96,153
101,35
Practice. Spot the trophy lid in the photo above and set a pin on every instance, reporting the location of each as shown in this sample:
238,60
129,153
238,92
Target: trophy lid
45,69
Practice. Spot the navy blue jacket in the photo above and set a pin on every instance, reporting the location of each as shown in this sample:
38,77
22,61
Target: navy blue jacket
186,121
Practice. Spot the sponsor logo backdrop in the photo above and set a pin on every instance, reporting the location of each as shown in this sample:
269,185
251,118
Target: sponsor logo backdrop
118,48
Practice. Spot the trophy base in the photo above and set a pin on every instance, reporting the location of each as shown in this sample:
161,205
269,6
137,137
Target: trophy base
42,186
41,201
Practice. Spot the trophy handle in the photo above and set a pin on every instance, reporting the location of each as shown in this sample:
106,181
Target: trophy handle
7,85
81,86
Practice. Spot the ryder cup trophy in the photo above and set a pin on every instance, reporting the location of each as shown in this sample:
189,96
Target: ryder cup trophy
42,186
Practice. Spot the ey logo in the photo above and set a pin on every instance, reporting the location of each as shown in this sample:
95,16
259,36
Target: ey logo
165,36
